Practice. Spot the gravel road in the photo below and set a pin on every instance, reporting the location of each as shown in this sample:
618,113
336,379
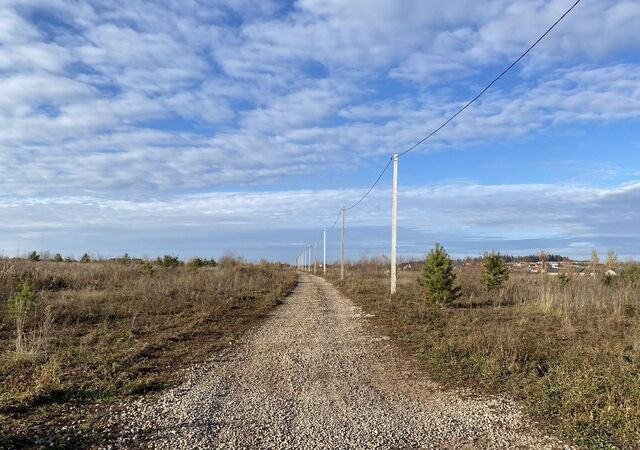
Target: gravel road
315,374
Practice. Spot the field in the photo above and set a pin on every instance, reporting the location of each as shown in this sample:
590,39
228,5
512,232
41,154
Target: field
104,333
568,348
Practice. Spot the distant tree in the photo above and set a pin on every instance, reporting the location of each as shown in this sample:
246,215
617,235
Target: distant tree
69,259
169,261
57,258
612,260
126,259
494,271
438,277
595,261
85,258
34,256
195,263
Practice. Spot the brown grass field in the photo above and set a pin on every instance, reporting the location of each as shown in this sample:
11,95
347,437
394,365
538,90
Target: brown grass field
104,333
569,350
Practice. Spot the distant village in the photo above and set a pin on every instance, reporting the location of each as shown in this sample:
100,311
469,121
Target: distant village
552,265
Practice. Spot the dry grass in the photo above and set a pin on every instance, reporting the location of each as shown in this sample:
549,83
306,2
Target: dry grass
105,332
569,351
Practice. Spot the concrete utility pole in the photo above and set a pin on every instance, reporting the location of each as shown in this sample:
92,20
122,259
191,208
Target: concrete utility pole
324,251
315,257
304,259
394,224
310,257
343,238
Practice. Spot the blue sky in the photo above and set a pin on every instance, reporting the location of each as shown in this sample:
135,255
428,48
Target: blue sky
197,128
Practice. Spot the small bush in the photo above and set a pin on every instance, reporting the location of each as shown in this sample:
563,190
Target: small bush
58,258
85,258
34,256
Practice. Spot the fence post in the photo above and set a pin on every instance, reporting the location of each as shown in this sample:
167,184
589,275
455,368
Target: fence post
394,225
343,238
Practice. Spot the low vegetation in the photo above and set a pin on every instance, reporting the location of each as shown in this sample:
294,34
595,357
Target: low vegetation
76,337
568,345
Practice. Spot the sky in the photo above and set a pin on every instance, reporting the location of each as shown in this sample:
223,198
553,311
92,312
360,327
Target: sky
205,127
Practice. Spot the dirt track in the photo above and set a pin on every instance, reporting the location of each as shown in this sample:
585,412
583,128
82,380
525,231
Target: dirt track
316,375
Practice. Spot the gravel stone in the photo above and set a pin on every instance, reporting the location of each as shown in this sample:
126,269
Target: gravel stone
314,375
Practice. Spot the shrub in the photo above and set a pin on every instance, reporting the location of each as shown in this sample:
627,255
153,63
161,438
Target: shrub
147,268
34,256
85,258
169,261
196,263
438,277
57,258
494,271
563,279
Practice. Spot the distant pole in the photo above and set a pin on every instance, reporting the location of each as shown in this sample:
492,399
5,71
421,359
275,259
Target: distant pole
324,251
304,264
310,257
343,238
315,257
394,225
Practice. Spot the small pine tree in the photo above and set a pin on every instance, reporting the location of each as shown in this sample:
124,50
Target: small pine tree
20,306
34,256
494,271
57,258
85,258
438,277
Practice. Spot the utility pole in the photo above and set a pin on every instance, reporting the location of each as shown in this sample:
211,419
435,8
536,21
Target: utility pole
324,251
310,258
304,259
394,225
343,238
315,257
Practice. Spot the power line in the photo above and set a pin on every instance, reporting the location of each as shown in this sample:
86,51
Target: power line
371,188
335,221
446,122
492,83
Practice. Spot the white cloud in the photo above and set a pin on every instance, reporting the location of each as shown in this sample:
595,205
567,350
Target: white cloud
573,218
150,99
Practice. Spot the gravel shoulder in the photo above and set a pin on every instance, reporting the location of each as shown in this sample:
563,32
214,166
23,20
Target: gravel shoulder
316,375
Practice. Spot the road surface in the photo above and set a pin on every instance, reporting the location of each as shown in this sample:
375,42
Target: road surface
315,374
